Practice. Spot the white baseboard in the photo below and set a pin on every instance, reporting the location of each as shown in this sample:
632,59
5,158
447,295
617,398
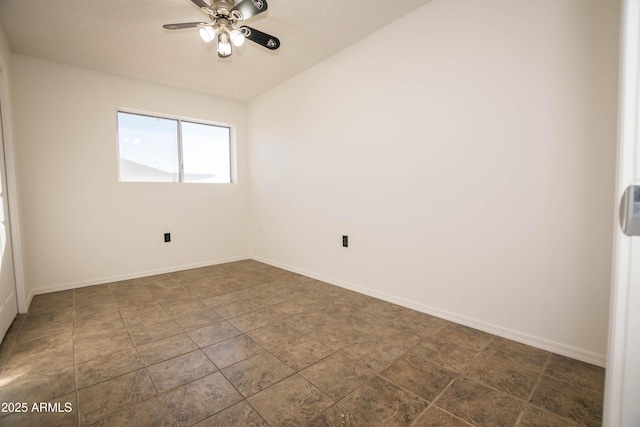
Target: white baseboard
28,303
534,341
137,275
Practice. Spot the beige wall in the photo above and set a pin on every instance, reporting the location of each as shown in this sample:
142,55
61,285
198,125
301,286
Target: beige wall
468,151
83,226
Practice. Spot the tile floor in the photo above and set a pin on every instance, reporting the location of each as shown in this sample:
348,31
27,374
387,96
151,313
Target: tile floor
245,344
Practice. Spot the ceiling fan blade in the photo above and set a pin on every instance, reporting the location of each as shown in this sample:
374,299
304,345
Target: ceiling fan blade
203,6
249,8
200,3
263,39
183,25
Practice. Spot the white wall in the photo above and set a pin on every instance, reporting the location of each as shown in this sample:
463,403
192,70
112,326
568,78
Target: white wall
83,226
468,151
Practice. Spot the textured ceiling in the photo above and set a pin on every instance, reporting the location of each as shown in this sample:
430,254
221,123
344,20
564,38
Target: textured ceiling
125,37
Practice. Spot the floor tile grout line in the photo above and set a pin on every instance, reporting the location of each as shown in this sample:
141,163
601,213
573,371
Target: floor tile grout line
532,391
433,405
74,349
529,403
502,392
246,398
394,384
544,368
462,371
261,390
337,404
127,407
572,383
458,375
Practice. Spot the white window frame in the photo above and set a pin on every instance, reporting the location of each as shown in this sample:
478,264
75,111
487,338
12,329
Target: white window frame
180,120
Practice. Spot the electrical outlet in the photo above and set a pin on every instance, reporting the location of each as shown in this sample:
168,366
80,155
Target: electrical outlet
167,237
345,241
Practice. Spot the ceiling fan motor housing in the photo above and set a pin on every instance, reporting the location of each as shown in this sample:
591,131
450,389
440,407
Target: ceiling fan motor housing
222,7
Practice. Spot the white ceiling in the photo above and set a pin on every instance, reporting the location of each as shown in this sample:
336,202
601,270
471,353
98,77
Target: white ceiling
125,37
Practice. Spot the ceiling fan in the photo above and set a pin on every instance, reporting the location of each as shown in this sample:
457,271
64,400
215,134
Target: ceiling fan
225,17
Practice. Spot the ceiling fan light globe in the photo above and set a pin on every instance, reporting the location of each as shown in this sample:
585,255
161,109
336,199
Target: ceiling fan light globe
224,45
207,34
237,38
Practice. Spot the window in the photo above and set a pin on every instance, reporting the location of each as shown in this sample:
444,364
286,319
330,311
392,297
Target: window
158,149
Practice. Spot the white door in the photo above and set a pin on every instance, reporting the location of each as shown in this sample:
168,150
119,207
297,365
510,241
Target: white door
622,392
8,301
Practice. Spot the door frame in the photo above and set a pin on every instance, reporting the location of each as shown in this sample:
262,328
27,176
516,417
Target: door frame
11,176
627,144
